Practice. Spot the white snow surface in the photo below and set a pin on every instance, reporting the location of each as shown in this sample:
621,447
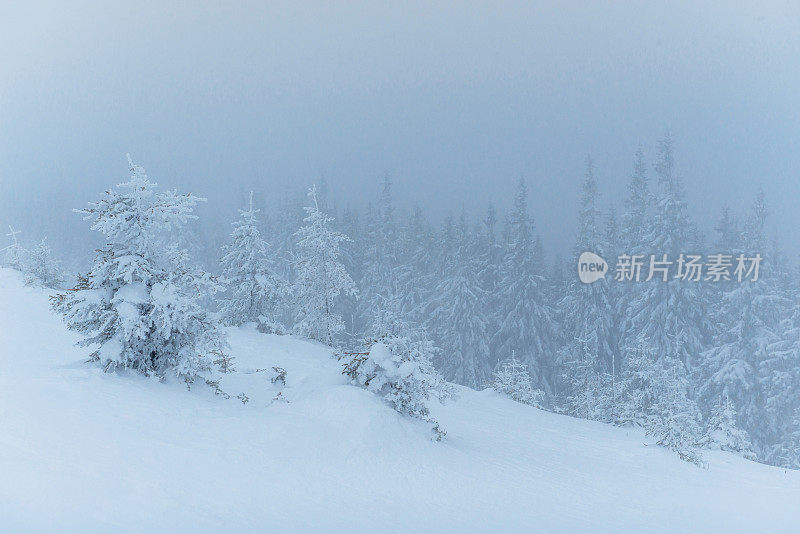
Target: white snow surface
84,451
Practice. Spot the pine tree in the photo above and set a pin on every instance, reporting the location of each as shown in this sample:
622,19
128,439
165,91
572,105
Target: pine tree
512,378
637,385
458,316
747,318
256,293
786,453
139,303
397,367
583,381
12,252
636,220
526,325
321,278
381,254
670,314
589,313
722,432
676,418
415,272
636,227
40,267
779,384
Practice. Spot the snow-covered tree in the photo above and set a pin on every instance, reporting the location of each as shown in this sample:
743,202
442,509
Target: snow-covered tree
670,314
747,340
40,267
779,388
525,321
13,252
138,306
256,293
415,271
786,453
320,276
675,417
636,219
458,315
397,367
380,254
511,378
583,380
722,432
654,394
588,311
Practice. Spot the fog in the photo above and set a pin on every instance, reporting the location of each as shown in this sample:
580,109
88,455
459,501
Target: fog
453,102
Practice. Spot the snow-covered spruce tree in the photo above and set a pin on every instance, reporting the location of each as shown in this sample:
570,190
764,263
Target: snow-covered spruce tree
415,271
255,291
786,453
511,378
589,314
40,267
526,325
637,385
320,276
722,432
779,385
457,314
635,228
653,393
379,278
397,367
139,303
12,253
670,314
488,257
676,418
353,260
583,381
747,317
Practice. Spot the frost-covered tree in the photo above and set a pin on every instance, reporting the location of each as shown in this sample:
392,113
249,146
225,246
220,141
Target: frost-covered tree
670,314
397,367
589,313
722,432
780,393
786,452
320,276
583,381
40,267
458,315
489,256
747,340
675,423
255,292
380,254
654,393
138,306
637,217
13,253
511,378
525,320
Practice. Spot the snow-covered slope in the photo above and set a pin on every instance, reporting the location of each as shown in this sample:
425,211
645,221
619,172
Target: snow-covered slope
84,451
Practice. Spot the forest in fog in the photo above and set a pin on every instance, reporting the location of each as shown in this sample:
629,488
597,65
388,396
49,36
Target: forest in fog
698,359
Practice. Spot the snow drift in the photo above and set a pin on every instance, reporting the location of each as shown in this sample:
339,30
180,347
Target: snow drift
85,451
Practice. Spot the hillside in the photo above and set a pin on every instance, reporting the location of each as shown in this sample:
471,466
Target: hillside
84,451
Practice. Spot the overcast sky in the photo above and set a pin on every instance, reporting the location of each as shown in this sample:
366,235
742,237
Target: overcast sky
455,100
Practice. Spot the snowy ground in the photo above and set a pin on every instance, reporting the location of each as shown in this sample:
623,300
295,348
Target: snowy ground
83,451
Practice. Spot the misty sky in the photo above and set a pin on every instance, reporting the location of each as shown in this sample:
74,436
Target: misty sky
455,103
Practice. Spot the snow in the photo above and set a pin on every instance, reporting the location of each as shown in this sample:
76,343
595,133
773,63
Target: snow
84,451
